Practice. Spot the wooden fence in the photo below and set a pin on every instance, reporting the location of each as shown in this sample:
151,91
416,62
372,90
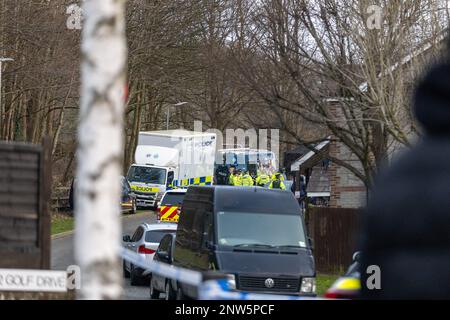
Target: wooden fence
25,187
334,232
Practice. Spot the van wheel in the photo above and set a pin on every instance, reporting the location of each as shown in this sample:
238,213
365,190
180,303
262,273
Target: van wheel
154,294
126,273
170,294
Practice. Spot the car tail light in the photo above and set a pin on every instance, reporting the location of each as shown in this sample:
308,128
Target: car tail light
144,250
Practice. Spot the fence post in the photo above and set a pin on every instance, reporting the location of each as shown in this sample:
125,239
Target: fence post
44,201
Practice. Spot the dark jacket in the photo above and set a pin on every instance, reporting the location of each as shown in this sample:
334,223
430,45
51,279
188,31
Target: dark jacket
222,175
406,229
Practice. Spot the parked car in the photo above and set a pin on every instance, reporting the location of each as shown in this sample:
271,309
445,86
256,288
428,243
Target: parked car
349,285
159,283
128,200
144,241
128,197
170,205
255,236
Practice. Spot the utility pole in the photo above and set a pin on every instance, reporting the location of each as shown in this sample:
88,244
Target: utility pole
2,110
179,104
100,149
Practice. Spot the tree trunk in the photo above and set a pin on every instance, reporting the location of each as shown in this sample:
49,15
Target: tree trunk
100,149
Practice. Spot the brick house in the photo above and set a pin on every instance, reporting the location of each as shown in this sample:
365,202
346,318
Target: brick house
348,191
342,188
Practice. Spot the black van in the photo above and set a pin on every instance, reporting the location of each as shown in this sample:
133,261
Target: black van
254,235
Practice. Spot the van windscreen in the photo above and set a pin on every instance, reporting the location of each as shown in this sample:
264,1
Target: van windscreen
172,198
260,229
147,175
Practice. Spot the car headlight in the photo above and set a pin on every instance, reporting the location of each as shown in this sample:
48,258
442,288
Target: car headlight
308,285
231,281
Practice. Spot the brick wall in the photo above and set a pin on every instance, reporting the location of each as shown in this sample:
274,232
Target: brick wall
347,191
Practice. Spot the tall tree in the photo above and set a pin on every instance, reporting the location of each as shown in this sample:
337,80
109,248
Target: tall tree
100,151
324,63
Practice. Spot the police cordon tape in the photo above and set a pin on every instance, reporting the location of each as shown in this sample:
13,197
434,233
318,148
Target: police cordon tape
184,275
217,289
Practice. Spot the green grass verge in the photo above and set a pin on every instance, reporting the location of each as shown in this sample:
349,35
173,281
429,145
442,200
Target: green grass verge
62,224
323,282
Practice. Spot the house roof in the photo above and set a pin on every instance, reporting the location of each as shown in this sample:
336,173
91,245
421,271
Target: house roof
304,159
408,58
319,183
299,150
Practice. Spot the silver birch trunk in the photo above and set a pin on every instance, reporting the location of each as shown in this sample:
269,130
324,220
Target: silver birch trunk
100,150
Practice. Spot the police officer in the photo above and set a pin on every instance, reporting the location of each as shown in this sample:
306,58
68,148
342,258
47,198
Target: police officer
247,180
232,169
237,177
281,175
262,179
222,174
277,183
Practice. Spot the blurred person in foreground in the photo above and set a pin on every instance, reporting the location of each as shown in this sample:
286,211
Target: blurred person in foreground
406,228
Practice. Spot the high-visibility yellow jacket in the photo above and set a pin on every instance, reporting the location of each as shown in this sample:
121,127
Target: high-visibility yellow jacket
237,180
247,180
281,176
262,179
274,183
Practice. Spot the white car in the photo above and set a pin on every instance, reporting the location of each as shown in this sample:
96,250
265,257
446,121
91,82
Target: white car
144,241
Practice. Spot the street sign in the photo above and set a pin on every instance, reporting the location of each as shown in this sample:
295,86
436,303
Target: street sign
33,280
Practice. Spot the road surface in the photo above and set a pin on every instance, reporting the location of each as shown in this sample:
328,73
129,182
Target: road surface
63,252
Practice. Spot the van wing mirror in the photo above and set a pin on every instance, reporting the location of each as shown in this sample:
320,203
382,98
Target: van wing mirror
205,241
126,238
356,256
311,243
208,244
170,178
163,255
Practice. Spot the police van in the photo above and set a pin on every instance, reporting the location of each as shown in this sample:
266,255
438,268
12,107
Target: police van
169,208
256,236
171,159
